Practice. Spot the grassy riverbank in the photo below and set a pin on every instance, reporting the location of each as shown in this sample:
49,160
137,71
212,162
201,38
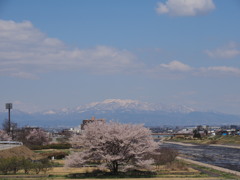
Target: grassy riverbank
221,140
177,170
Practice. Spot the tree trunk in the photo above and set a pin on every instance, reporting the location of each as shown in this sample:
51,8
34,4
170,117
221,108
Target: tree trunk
114,167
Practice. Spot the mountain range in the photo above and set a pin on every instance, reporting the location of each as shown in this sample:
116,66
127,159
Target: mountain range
124,111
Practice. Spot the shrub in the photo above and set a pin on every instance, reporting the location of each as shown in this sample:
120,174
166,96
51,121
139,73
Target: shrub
27,165
5,166
13,164
163,156
177,165
52,146
59,146
43,165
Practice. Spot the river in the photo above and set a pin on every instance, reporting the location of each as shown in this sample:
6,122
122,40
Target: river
219,156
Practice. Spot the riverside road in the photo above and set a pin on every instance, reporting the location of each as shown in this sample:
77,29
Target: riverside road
225,157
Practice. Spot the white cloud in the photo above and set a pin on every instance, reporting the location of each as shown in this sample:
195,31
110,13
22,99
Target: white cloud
25,51
176,66
176,69
185,7
220,70
172,70
230,51
24,75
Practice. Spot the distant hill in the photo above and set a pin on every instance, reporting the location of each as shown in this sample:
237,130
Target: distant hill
125,111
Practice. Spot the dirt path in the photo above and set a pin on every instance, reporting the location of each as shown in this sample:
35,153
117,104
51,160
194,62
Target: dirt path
211,166
179,143
228,146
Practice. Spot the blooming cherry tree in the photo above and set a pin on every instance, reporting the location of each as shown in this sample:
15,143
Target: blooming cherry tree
37,137
4,136
116,146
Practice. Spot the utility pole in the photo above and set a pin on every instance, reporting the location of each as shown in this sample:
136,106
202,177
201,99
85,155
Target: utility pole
9,107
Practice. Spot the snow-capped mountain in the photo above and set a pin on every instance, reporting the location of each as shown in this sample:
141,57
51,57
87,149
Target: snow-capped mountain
125,111
131,105
59,111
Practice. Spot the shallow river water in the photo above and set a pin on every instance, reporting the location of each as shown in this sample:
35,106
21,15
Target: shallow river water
220,156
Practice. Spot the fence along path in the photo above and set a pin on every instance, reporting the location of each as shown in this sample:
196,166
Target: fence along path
9,144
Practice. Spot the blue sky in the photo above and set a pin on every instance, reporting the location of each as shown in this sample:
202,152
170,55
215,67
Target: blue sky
66,53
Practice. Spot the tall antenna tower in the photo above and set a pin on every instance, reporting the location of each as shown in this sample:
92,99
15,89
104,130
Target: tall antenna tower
9,107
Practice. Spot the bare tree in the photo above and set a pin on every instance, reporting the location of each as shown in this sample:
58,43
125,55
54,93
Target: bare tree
114,145
13,128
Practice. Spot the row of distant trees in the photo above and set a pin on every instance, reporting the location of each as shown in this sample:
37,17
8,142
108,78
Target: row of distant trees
15,164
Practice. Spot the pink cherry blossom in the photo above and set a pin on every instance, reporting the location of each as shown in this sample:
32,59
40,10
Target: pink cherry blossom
116,146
